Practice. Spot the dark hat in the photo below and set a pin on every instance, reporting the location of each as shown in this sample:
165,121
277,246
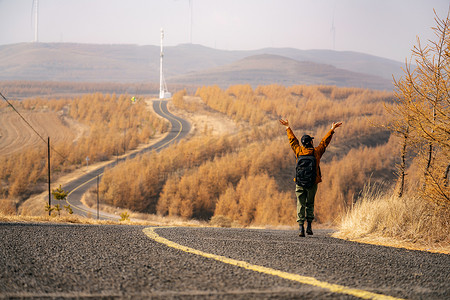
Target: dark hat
306,140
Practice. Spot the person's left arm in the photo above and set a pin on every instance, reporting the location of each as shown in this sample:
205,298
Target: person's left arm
327,138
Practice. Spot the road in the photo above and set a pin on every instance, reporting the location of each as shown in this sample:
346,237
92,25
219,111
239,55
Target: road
179,129
135,262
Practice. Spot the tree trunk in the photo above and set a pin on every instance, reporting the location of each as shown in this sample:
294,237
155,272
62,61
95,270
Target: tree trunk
430,154
446,175
402,167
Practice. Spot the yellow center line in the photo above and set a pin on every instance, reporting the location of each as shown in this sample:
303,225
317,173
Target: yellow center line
335,288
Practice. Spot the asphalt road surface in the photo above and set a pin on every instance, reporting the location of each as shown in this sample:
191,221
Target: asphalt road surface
135,262
179,129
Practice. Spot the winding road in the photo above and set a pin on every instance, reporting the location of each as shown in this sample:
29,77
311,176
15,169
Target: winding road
179,129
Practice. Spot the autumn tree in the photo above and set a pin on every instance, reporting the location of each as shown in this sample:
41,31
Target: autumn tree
422,111
60,195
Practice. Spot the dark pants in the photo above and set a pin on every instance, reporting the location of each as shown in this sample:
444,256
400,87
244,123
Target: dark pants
305,203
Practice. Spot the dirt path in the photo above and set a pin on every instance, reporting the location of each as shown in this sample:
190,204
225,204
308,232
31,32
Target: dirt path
205,121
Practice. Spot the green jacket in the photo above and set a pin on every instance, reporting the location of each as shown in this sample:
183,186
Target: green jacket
318,151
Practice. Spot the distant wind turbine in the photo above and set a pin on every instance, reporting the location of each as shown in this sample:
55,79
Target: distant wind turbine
191,4
191,9
35,12
333,30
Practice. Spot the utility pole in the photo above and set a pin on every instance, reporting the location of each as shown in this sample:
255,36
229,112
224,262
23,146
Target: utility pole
161,78
98,210
48,164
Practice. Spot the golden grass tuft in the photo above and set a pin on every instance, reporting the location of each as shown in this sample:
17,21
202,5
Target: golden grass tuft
74,219
35,213
221,221
8,206
408,222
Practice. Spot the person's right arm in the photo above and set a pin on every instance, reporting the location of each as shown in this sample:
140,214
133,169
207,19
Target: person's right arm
293,141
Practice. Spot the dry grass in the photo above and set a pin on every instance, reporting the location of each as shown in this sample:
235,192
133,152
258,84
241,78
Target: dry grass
136,218
75,219
52,219
408,222
34,212
17,135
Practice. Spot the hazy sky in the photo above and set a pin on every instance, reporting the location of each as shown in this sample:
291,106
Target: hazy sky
386,28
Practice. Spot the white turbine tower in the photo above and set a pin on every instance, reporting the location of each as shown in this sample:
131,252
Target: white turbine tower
35,9
333,30
163,92
191,4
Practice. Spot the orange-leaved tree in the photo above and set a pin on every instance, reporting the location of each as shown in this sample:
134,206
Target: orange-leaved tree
422,112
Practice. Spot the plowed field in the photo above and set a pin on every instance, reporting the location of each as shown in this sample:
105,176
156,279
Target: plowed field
16,135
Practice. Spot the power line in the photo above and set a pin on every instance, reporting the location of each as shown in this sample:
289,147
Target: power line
37,133
64,158
12,106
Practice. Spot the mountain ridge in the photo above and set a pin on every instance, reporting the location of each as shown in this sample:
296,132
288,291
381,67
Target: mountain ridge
134,63
265,69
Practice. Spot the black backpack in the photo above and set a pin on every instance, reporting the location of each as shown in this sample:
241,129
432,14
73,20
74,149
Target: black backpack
305,171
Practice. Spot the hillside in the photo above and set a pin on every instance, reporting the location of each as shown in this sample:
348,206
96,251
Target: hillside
133,63
268,69
77,62
16,135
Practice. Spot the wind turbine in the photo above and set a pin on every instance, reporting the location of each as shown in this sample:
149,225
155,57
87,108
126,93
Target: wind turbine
191,4
333,30
35,11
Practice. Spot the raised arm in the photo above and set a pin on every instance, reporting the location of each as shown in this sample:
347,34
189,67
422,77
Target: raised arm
284,122
327,138
293,141
335,125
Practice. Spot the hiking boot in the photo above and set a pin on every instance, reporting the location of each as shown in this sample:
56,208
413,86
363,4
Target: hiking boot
309,229
302,231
